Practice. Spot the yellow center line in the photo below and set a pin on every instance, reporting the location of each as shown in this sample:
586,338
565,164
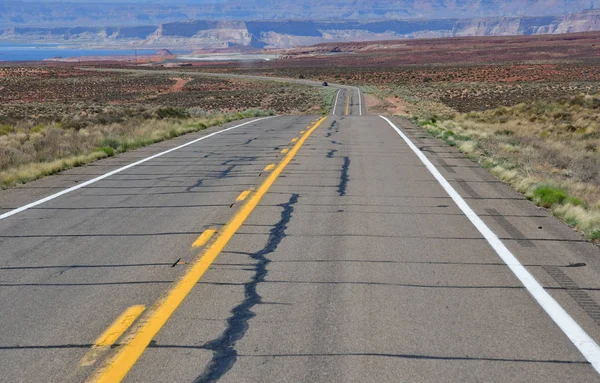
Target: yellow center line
269,167
347,102
284,151
243,195
294,139
112,333
115,368
204,237
302,132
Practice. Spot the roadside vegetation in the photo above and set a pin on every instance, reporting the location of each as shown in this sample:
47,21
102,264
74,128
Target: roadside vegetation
52,138
328,100
548,150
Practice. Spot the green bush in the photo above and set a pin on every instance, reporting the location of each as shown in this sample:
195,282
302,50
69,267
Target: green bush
548,196
572,222
172,112
108,150
38,128
112,143
6,129
428,119
447,134
575,201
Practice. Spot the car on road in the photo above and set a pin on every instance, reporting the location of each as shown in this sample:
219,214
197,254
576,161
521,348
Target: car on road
325,83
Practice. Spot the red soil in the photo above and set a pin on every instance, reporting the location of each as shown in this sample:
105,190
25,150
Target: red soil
179,84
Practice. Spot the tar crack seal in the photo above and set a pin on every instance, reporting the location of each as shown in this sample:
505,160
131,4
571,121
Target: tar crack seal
344,178
223,348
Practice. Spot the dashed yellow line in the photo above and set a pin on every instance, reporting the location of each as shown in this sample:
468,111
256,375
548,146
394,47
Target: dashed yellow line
243,195
269,167
294,139
204,238
116,367
112,333
284,151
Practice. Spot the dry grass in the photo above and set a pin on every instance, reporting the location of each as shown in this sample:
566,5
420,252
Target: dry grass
30,149
547,150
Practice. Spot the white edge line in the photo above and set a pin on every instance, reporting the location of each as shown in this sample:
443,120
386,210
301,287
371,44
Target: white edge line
93,180
584,343
359,102
335,104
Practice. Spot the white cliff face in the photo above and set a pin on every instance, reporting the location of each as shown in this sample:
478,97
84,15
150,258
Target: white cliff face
488,27
285,34
580,22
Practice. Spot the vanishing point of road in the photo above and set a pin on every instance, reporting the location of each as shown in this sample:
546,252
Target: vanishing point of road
343,248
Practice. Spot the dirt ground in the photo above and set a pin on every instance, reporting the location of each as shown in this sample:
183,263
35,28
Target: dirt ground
393,105
179,84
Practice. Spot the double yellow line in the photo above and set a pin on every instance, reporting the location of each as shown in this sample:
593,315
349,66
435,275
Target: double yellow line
118,365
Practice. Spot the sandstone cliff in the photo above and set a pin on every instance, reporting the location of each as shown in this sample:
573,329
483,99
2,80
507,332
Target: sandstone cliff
284,34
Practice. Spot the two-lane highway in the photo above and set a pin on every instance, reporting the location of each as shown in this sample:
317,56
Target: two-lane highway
297,248
347,102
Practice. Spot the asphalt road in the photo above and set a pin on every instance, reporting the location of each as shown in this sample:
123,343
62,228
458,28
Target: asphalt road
348,102
347,261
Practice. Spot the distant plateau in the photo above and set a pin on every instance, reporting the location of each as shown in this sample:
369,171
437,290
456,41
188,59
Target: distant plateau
240,35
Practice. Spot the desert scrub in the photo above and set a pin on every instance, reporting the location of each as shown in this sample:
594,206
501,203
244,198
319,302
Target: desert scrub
57,91
30,149
172,112
328,100
546,150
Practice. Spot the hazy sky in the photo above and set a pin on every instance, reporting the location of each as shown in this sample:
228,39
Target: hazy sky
59,13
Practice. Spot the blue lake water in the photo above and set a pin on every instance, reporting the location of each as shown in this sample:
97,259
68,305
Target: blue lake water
25,52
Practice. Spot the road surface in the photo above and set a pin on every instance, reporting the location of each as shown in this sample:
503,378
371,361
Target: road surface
348,101
292,249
